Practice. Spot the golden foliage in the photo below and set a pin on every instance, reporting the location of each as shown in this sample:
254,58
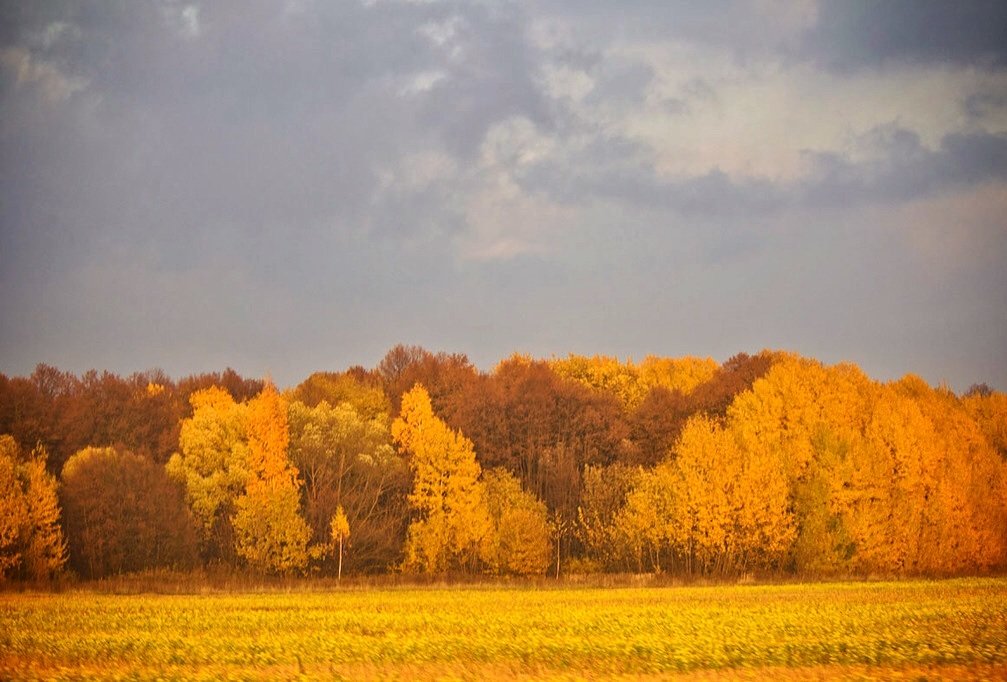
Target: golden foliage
339,528
604,374
451,523
990,413
270,533
676,374
520,541
31,540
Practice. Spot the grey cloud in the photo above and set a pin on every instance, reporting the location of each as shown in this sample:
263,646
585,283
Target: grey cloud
241,193
846,36
265,119
979,106
905,169
622,84
492,79
858,33
898,168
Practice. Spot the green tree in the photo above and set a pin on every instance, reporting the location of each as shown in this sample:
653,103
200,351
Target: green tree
212,465
348,460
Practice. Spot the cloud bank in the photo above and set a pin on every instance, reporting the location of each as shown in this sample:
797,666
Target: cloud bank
285,187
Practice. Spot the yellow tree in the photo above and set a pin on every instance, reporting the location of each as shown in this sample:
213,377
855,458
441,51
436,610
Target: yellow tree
520,542
270,533
31,541
889,480
706,464
676,374
969,507
348,461
646,526
451,524
603,373
989,410
13,510
603,495
763,525
807,417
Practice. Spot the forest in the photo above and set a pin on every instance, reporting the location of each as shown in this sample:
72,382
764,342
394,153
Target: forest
769,464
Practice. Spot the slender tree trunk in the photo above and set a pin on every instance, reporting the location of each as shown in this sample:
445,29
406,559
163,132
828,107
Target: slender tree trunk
339,570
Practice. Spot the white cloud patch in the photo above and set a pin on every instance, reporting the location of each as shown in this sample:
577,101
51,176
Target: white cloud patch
54,85
185,19
506,219
421,82
444,34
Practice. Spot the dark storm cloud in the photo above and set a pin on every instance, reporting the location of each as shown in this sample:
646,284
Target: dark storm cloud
860,33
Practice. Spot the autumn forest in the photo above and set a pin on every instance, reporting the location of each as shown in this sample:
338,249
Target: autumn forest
769,465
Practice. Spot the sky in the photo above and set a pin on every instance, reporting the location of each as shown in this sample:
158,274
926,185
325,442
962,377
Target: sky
290,186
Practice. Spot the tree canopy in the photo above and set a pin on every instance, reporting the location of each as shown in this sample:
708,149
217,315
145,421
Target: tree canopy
770,463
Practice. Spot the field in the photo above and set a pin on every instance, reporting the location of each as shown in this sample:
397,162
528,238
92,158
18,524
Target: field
949,629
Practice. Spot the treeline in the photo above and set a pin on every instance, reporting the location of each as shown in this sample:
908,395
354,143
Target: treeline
768,463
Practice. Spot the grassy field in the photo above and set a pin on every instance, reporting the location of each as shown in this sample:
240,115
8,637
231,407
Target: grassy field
909,630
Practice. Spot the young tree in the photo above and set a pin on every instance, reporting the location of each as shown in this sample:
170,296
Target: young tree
31,541
339,529
451,523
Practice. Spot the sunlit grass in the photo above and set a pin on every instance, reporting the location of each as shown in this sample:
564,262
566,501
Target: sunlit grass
946,628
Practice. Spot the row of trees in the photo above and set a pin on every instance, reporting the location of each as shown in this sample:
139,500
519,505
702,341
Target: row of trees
769,462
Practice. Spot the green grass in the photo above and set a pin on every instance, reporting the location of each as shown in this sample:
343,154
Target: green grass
949,628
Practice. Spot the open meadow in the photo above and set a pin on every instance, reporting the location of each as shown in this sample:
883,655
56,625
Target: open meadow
934,629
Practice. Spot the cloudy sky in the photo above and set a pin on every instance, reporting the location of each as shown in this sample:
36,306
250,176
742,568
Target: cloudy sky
284,187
